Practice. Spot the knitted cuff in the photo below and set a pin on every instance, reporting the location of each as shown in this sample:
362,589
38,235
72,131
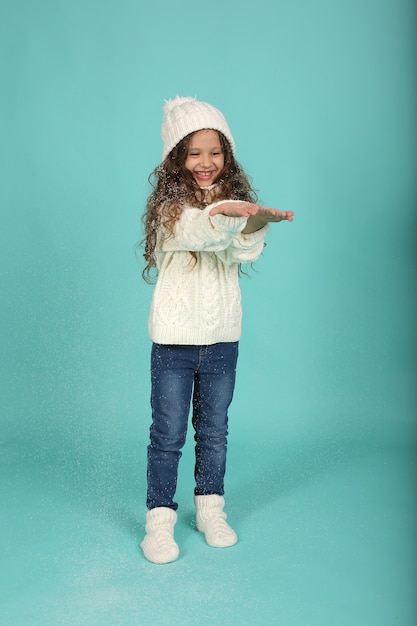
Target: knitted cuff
224,223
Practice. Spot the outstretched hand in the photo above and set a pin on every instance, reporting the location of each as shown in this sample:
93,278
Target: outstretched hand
257,215
274,215
235,209
263,216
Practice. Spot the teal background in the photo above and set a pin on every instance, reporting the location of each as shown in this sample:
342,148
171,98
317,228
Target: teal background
321,100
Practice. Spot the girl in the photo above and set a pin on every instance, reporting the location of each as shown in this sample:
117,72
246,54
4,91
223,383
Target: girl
201,223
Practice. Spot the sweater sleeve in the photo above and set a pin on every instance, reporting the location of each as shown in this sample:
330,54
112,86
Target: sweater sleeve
245,248
198,231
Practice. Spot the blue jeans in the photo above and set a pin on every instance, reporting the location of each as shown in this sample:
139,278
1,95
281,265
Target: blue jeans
205,376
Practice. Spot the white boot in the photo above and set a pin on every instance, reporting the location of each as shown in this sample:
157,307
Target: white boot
159,545
211,520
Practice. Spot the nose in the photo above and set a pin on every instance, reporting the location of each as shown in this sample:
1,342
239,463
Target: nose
205,160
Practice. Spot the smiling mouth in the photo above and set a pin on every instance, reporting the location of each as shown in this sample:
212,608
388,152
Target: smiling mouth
204,174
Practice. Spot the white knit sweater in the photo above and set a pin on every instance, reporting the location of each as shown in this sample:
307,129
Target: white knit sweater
199,303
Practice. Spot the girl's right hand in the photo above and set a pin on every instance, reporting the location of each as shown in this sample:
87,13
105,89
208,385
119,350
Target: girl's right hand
235,209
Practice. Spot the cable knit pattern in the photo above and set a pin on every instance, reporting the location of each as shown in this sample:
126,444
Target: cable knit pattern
197,302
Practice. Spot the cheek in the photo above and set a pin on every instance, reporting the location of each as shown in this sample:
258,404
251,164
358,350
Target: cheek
220,163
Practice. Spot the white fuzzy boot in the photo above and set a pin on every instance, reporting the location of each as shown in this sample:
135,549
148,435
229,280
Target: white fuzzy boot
211,520
159,545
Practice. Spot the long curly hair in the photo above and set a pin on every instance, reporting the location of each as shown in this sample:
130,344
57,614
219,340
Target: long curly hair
175,188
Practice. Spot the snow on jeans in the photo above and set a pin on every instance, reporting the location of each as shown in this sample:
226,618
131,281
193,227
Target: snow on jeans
205,376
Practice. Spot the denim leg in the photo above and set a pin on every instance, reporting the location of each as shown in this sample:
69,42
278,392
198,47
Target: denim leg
172,378
214,383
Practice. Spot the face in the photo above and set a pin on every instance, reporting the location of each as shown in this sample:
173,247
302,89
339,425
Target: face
205,158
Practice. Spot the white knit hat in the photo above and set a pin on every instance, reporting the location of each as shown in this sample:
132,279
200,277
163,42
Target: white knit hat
187,115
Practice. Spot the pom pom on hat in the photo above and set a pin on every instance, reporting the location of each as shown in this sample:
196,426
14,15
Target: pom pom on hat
185,115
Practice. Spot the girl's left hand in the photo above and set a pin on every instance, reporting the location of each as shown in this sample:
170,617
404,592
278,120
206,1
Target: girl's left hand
274,215
263,216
